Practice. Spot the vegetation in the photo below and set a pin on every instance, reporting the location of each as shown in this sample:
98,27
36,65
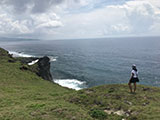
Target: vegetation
25,96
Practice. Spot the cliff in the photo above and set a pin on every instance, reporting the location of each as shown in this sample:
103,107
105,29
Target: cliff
41,68
26,96
44,68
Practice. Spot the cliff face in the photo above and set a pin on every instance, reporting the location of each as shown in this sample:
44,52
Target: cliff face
41,68
44,68
4,53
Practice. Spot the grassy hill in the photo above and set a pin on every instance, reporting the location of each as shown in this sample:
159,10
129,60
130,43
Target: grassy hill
26,96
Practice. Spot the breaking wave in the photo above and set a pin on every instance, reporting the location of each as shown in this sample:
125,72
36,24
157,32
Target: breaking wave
53,59
71,83
33,62
20,54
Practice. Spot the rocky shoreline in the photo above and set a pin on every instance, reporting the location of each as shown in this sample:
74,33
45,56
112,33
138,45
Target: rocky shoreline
41,67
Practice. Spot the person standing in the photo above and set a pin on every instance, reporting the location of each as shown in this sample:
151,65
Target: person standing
134,78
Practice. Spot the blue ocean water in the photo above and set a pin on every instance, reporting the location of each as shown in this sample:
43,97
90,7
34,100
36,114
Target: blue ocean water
92,62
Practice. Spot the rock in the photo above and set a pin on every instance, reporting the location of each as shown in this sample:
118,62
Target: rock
120,112
109,111
73,118
24,67
107,108
146,103
134,113
27,60
44,68
89,91
97,102
146,89
128,113
128,102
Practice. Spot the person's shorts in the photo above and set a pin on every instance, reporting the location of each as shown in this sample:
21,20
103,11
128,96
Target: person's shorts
134,80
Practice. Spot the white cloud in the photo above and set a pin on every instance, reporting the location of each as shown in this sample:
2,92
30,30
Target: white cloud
50,20
9,25
58,19
27,23
155,3
131,18
51,24
35,6
120,28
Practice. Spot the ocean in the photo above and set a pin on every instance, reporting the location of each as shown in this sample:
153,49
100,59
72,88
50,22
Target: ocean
83,63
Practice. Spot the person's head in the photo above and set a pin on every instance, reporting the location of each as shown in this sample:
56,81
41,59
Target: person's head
134,67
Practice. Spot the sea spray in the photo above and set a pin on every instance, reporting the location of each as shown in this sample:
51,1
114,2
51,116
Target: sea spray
19,54
71,83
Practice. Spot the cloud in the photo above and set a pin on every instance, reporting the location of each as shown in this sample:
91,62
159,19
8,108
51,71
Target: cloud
34,24
9,25
26,23
79,18
141,15
35,6
50,20
42,6
120,28
130,18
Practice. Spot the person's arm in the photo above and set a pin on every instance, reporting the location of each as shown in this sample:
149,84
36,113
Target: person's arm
132,74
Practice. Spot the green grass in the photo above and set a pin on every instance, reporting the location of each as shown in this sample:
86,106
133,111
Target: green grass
24,95
141,105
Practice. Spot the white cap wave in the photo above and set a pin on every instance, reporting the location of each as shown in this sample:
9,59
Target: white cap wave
33,62
53,59
20,54
71,83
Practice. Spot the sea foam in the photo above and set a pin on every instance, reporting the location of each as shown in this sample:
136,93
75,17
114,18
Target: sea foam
33,62
71,83
19,54
53,59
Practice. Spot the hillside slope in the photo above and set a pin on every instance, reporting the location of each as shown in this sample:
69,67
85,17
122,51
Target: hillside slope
24,95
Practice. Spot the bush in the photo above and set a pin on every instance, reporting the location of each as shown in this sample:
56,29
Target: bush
99,114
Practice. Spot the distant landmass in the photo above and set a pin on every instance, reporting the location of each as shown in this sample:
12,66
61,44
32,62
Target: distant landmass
5,39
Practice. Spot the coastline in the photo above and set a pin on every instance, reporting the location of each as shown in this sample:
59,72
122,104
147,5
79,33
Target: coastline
31,60
105,66
25,95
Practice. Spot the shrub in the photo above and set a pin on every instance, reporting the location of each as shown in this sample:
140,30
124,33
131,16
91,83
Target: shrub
99,114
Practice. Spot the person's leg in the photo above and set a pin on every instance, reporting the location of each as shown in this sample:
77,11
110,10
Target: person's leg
135,87
130,86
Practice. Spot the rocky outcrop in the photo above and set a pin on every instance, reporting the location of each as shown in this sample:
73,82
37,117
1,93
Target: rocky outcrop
44,68
41,68
4,53
26,60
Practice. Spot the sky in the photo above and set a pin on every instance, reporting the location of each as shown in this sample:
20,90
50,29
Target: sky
74,19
